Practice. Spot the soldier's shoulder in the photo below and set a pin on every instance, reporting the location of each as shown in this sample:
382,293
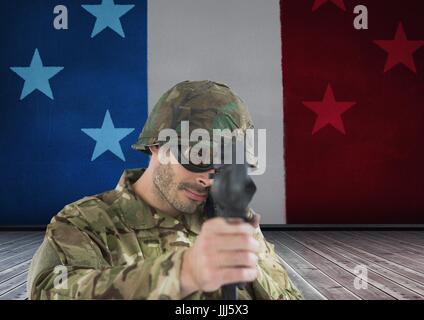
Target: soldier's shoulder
103,200
98,210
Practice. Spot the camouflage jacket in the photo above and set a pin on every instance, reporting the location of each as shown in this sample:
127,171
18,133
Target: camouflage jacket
114,246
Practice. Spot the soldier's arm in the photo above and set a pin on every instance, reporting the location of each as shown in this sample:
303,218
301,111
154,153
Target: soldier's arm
71,265
273,282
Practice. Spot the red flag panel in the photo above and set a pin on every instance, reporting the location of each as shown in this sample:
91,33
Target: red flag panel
353,111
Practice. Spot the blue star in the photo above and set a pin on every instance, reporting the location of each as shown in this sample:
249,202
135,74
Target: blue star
107,137
36,76
108,14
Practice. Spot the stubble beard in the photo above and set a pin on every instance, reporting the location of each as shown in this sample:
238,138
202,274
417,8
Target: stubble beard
167,189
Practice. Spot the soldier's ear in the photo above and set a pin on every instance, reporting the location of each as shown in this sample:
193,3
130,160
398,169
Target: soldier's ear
154,149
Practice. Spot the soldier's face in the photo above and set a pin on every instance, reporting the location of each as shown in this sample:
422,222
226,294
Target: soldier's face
182,189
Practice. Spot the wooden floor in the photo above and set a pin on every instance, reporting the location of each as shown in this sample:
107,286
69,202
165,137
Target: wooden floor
322,264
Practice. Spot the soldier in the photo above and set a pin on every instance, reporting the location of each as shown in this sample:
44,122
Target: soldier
149,237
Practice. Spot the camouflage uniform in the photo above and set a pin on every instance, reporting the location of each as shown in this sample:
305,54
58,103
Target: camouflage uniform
114,246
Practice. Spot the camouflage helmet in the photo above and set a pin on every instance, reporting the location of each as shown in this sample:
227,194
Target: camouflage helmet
205,104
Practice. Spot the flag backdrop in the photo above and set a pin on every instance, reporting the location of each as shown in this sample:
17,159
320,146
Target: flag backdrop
354,112
343,108
71,104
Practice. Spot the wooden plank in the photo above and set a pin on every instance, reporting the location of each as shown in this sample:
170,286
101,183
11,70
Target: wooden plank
13,251
327,286
396,246
408,283
6,234
420,233
305,271
403,237
391,260
17,293
398,268
307,290
375,249
335,271
373,290
12,271
12,283
9,234
10,239
390,287
19,244
17,258
407,258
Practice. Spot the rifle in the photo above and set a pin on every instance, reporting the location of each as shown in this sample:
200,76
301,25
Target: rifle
230,195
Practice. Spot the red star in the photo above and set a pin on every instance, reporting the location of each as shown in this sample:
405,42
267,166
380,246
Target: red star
329,111
319,3
400,50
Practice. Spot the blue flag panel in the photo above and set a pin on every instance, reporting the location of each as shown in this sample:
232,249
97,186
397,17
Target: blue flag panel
73,92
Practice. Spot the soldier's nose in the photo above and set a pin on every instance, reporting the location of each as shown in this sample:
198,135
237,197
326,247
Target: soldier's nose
204,180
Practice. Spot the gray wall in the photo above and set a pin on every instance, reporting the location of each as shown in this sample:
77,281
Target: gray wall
232,41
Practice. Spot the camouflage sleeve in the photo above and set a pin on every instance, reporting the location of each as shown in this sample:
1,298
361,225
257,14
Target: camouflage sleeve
70,265
273,282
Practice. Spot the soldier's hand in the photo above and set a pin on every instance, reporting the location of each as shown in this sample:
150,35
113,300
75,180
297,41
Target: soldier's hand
223,253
